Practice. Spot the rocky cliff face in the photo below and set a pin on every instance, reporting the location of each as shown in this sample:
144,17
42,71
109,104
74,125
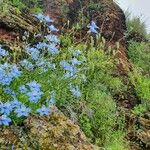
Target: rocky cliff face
107,15
57,131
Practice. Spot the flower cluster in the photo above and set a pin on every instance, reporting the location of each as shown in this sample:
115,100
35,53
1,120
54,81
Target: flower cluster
47,19
33,52
12,107
43,18
8,72
17,108
48,47
26,64
32,90
70,66
75,91
26,96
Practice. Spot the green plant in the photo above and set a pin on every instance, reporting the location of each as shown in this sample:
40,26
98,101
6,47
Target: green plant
142,86
94,5
97,110
135,24
140,109
139,54
117,142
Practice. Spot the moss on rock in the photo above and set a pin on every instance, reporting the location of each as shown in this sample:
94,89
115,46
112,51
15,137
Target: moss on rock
54,132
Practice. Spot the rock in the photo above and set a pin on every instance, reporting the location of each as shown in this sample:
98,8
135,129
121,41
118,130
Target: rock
143,133
144,137
54,132
137,37
13,24
139,136
107,15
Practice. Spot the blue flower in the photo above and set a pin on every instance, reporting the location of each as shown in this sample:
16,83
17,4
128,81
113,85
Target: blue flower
48,19
15,72
41,45
76,53
23,89
34,85
43,111
53,38
39,16
3,52
75,91
71,70
34,96
45,64
26,64
65,65
74,61
35,93
33,52
93,24
5,108
15,103
41,62
52,28
93,27
42,18
52,49
4,120
22,111
93,30
8,72
71,73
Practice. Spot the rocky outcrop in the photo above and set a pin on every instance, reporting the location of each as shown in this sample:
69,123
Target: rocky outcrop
107,15
54,132
139,131
137,37
13,24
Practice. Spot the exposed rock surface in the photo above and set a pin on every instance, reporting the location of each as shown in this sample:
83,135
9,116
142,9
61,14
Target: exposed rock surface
139,131
54,132
135,36
107,15
13,24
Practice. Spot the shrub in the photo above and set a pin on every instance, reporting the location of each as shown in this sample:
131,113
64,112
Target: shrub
139,54
142,87
135,24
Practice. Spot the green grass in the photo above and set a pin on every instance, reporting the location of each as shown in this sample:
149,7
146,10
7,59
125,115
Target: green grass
139,54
